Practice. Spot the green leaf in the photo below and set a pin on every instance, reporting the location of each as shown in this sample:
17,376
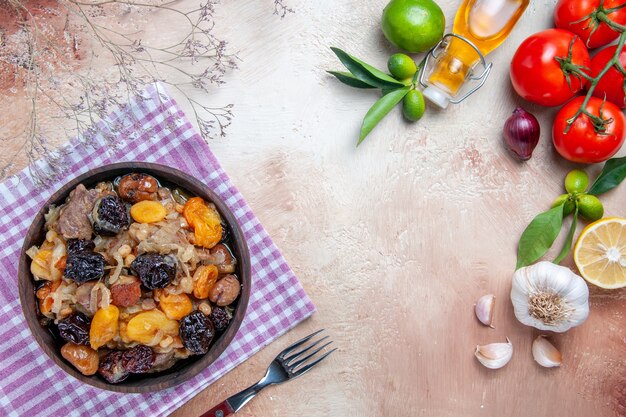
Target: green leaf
567,246
380,110
612,175
539,236
351,80
366,72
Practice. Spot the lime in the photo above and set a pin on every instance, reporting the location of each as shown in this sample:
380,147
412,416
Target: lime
413,105
564,199
576,181
413,25
401,66
590,207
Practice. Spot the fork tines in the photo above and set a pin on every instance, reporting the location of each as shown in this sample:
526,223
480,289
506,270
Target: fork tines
296,363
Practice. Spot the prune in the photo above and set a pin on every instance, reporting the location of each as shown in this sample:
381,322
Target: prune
112,369
75,328
154,270
84,266
79,245
220,318
138,359
225,291
136,187
196,332
109,216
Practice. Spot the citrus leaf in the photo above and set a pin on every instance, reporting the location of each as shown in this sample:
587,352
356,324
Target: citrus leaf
365,72
539,236
567,246
612,175
380,110
351,80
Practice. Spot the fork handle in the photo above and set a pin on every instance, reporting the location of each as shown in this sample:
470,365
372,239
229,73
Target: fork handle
223,409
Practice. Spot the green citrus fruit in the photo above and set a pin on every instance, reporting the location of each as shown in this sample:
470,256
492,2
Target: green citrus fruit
413,25
413,105
569,204
576,181
401,66
590,207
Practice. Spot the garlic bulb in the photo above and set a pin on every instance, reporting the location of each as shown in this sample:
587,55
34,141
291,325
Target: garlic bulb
549,297
484,309
495,355
545,353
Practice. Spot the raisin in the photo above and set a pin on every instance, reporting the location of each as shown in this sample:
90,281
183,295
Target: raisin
220,318
75,328
79,245
138,359
154,270
111,367
110,216
137,187
196,332
84,266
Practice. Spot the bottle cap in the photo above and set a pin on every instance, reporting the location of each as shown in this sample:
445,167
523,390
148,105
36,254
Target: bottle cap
436,96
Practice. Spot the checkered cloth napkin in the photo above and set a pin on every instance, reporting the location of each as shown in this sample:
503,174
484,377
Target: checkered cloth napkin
150,128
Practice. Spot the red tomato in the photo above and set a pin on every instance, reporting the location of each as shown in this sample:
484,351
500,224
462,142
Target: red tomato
536,74
582,143
567,12
611,85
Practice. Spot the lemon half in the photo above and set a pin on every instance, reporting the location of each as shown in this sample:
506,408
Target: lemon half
600,253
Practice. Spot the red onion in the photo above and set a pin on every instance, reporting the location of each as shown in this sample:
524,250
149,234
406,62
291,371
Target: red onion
521,133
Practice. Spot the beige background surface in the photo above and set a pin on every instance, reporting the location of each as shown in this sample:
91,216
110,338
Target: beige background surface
395,241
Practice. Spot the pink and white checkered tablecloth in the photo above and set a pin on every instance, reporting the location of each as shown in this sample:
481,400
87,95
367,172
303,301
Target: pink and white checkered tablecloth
150,128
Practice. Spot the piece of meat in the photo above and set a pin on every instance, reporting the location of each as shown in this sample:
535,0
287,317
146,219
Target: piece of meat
126,291
73,220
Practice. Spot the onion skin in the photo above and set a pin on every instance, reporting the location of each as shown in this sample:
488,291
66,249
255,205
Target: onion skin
521,133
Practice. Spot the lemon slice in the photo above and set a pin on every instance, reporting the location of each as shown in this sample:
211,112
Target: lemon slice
600,253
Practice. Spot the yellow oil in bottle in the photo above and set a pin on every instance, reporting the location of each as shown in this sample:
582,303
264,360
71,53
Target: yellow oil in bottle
485,23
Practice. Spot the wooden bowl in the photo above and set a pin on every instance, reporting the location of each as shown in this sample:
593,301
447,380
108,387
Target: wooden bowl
182,370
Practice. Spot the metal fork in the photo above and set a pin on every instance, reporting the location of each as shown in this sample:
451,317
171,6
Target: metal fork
285,367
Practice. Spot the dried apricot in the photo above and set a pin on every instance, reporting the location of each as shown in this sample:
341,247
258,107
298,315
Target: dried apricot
40,266
205,222
103,326
148,211
83,358
204,278
44,296
175,306
144,328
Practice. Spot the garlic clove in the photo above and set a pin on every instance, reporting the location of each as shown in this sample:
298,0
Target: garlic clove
545,353
494,355
484,309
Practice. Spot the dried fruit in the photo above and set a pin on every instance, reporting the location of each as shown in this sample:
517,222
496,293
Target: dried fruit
79,245
81,357
148,212
225,291
149,327
205,222
109,216
137,187
84,266
227,262
196,332
103,326
175,306
112,369
48,288
75,328
220,318
138,359
154,270
204,278
126,291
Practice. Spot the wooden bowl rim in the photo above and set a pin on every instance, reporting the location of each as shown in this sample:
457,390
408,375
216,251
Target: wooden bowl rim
188,371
